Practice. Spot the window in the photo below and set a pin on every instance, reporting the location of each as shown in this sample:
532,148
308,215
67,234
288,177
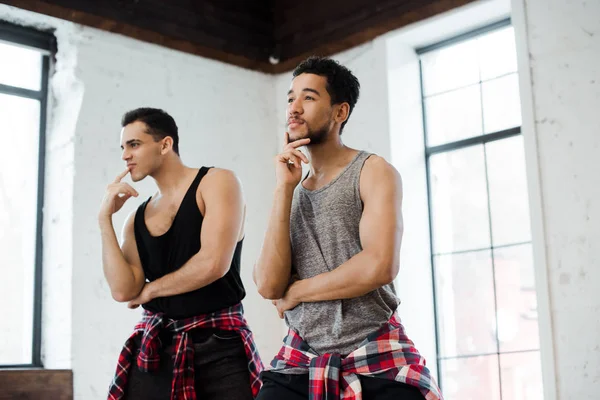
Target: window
24,65
485,299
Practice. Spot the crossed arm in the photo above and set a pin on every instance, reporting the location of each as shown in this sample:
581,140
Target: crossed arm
221,193
381,229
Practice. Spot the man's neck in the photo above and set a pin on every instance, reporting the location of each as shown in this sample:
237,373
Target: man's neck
327,155
168,178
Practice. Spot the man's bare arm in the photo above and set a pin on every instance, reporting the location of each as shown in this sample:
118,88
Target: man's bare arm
223,220
381,229
272,271
273,267
122,266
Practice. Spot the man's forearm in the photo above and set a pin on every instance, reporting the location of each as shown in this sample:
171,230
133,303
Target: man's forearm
198,272
358,276
117,271
273,268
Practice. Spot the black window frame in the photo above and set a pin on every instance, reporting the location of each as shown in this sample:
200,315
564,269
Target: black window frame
46,43
451,146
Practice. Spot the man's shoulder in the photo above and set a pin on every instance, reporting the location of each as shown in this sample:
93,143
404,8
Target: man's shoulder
222,173
375,165
219,179
216,176
377,171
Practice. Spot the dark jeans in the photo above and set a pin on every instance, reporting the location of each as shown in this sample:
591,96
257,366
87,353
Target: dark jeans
278,386
221,370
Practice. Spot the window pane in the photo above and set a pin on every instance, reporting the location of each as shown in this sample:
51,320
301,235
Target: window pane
459,202
501,104
509,201
450,68
497,53
20,67
465,304
453,116
471,378
521,376
19,127
517,303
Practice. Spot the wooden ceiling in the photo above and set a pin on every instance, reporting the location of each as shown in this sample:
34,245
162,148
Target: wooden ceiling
246,33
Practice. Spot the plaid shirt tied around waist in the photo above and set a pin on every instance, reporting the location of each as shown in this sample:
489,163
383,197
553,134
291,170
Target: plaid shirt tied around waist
387,353
229,319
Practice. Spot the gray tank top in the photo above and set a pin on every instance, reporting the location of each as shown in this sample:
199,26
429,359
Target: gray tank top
324,232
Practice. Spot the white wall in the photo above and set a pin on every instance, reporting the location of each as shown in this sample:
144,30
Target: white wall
559,50
225,115
235,118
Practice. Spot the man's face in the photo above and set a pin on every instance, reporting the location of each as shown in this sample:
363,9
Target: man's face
309,112
140,151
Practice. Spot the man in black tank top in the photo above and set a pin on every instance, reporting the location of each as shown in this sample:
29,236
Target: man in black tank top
180,260
330,256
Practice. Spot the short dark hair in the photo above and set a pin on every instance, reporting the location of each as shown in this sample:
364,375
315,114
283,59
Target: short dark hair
342,85
159,123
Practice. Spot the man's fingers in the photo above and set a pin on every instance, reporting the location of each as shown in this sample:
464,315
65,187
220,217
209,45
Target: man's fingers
123,188
121,175
132,305
296,143
300,155
135,193
289,158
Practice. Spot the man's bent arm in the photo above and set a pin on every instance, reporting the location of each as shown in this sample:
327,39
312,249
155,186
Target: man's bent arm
122,266
381,229
272,271
221,227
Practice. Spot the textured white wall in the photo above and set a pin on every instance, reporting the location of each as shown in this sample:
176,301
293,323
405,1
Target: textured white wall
559,43
235,119
226,118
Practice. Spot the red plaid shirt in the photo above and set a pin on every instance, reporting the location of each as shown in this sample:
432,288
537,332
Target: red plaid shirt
387,353
231,319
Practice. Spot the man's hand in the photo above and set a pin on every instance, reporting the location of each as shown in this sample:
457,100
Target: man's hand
286,303
144,297
288,163
117,193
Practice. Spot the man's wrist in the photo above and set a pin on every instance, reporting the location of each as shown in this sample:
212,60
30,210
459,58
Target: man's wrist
294,291
284,190
105,220
151,290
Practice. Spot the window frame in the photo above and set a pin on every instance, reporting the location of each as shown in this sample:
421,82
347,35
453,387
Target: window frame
45,42
448,147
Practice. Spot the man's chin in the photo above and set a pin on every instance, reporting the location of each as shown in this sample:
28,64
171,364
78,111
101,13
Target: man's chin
137,178
295,136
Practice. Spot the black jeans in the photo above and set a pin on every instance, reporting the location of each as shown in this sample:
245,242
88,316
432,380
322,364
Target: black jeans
278,386
221,370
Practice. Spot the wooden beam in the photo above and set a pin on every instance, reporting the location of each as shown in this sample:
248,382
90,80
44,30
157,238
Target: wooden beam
351,32
215,29
34,384
147,35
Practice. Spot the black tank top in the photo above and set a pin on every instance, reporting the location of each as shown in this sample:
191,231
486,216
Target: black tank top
163,254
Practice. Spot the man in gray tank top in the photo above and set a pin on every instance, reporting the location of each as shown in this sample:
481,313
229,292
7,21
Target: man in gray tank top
331,253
